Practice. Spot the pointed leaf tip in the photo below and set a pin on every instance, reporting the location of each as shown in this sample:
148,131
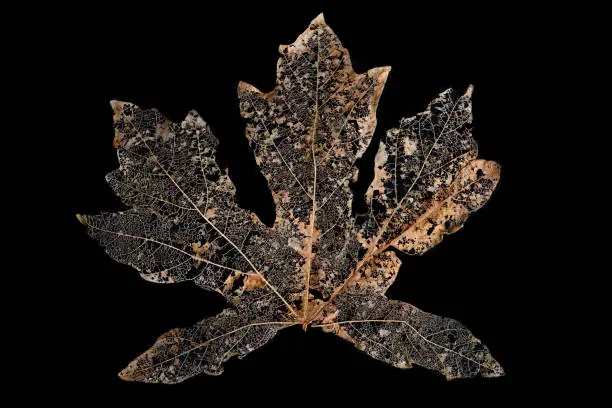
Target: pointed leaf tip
320,19
125,375
246,87
469,90
130,373
82,219
381,72
194,115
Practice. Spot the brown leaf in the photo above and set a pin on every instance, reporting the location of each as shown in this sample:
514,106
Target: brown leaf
319,265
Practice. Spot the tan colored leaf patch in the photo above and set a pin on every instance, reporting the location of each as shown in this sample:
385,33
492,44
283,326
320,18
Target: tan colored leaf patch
319,265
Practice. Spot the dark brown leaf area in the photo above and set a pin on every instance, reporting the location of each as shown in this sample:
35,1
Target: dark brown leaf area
319,264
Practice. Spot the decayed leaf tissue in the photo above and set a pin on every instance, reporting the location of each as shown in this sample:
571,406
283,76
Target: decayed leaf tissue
319,265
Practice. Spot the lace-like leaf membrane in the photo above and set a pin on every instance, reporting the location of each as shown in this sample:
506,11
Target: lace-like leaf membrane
319,265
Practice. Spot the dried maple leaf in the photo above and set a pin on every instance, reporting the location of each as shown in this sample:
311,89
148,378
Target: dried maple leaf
319,264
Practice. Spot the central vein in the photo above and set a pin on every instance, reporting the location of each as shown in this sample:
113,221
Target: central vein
311,232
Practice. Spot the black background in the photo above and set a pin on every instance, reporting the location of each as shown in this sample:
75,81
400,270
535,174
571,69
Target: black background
188,59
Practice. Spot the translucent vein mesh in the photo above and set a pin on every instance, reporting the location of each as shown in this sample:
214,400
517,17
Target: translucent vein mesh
319,264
